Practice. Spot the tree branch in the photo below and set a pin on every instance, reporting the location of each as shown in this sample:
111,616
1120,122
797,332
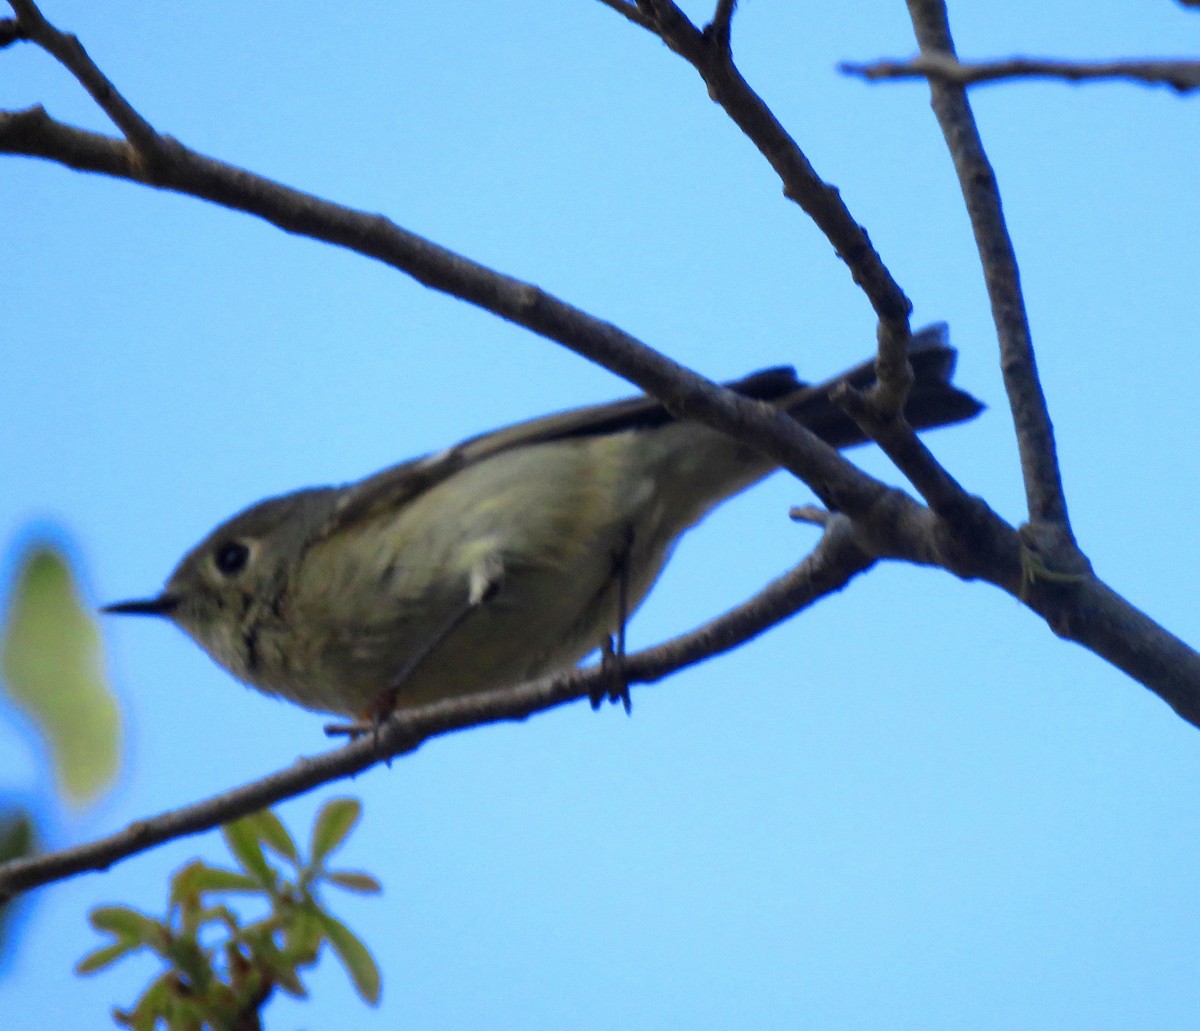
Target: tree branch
69,52
838,483
1049,534
720,28
631,12
709,53
899,441
878,411
837,558
10,32
1183,76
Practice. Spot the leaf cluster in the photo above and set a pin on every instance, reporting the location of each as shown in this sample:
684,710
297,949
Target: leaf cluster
221,971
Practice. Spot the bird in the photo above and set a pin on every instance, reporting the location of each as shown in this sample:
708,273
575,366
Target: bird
508,556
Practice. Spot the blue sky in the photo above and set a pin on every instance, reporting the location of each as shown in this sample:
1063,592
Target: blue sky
911,807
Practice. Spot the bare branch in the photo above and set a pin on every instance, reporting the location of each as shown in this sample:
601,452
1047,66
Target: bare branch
631,12
900,443
1183,76
837,558
1047,503
709,53
894,375
809,514
839,484
722,22
69,52
10,32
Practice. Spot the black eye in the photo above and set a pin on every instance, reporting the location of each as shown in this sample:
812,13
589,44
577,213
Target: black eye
231,557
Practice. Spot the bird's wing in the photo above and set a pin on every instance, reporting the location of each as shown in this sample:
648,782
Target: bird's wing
394,487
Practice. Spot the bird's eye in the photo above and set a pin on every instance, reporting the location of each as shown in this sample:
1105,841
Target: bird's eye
231,557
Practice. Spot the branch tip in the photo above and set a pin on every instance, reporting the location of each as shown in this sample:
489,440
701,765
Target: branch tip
1181,75
718,30
11,31
634,13
813,514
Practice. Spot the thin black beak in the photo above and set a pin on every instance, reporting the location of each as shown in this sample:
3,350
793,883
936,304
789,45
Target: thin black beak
163,605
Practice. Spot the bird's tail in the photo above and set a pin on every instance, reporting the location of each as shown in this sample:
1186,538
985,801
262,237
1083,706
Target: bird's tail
933,400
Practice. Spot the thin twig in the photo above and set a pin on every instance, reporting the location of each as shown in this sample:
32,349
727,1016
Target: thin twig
809,514
831,565
631,12
709,53
1048,518
1183,76
899,441
69,52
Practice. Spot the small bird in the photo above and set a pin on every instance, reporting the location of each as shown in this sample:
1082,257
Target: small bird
508,556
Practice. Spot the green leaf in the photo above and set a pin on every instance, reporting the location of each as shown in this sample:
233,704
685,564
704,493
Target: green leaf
128,925
99,958
267,957
242,838
354,957
197,877
192,960
51,663
272,833
153,1003
334,822
302,935
354,880
288,980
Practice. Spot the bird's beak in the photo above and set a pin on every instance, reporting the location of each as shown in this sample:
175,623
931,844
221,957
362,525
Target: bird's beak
163,605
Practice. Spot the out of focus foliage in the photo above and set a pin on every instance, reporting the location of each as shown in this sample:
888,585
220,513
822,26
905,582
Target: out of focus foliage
52,669
220,971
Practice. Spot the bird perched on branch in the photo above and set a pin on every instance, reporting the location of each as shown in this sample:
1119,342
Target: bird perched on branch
508,556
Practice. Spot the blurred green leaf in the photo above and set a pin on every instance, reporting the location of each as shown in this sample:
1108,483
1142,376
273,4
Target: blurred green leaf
303,934
288,979
145,1014
242,838
103,956
281,968
272,833
159,1001
191,960
197,877
354,880
334,822
51,663
354,956
128,925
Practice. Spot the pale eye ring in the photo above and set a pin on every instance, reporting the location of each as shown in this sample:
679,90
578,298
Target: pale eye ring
231,557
